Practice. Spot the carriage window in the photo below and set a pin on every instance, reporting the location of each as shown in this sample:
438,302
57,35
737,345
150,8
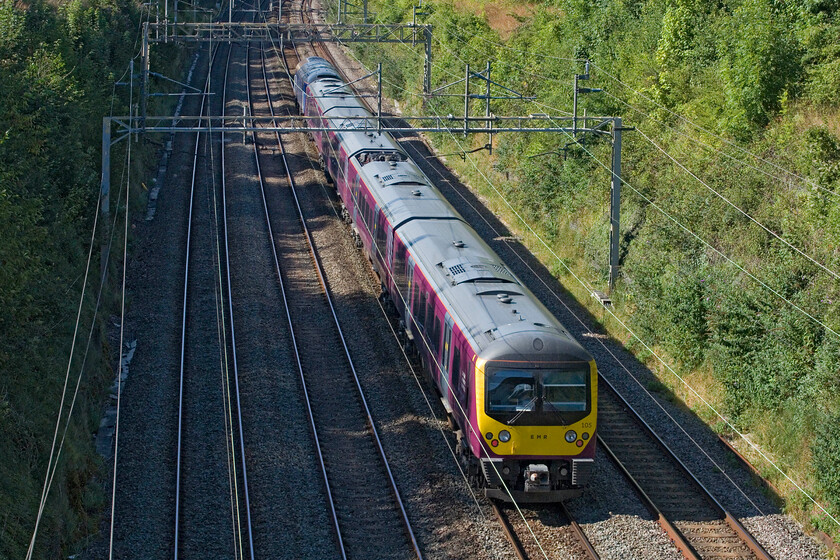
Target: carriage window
400,276
380,239
456,370
430,311
420,308
436,336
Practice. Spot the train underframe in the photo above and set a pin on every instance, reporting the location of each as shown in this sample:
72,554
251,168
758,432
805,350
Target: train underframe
525,480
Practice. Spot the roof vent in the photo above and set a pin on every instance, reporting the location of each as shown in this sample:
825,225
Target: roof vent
416,192
393,164
459,244
504,298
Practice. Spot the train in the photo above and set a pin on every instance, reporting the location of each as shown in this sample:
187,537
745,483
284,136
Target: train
519,390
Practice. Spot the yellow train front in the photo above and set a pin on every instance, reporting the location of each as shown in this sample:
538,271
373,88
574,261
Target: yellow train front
532,433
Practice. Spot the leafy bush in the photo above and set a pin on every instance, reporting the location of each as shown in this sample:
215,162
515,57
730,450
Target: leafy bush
826,450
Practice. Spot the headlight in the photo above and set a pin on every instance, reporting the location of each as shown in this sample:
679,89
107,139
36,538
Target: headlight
504,436
571,436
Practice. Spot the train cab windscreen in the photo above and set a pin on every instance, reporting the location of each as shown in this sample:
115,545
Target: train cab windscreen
537,397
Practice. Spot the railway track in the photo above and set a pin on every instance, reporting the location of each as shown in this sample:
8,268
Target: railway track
367,512
206,485
544,532
695,521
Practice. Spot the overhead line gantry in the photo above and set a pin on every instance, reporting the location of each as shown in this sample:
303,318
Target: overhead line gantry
413,33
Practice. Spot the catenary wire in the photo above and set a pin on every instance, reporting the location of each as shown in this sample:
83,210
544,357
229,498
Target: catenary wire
705,145
585,285
710,133
708,245
659,105
733,205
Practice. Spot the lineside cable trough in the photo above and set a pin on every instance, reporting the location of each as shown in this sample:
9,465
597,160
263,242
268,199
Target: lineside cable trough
105,434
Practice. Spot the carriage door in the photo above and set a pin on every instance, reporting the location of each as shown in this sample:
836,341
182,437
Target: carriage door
409,275
447,353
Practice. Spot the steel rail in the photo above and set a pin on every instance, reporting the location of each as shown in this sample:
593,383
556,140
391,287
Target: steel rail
510,533
519,547
295,346
322,280
184,321
582,538
746,537
232,329
665,524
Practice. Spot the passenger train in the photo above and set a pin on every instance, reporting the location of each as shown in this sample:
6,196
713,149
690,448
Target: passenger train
520,391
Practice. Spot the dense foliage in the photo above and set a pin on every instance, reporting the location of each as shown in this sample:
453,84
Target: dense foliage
58,65
749,320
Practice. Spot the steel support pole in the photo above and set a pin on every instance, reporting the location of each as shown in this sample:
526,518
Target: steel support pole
487,110
379,99
574,107
615,200
467,101
105,190
144,80
427,69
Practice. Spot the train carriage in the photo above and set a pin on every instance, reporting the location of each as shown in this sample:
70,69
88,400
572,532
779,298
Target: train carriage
521,392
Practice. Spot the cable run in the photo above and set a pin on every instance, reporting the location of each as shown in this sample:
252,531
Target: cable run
733,205
466,34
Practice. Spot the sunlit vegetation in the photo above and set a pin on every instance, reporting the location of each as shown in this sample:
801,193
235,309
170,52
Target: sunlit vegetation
740,313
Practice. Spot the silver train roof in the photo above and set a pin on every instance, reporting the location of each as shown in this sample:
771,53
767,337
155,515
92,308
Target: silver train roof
358,133
503,318
492,306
